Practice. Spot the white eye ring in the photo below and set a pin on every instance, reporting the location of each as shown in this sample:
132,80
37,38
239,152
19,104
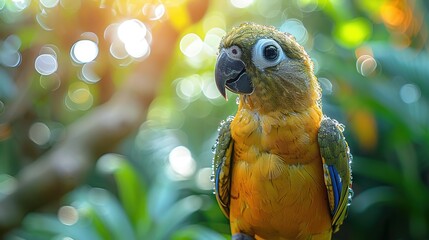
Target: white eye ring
234,52
267,53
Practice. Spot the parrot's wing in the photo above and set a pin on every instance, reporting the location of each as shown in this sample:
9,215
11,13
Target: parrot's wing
336,166
222,165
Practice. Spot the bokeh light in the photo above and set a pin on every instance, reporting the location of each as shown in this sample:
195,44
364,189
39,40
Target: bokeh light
269,9
109,163
203,179
212,40
393,15
39,133
49,3
209,88
7,184
46,64
214,20
191,45
18,5
68,215
131,31
42,20
241,3
135,37
117,49
189,88
410,93
138,49
79,97
98,196
89,73
181,161
153,11
307,5
9,51
326,86
323,43
1,108
71,5
366,65
84,51
354,32
296,28
50,82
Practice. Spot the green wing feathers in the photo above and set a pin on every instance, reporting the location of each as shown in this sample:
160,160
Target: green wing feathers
222,165
336,159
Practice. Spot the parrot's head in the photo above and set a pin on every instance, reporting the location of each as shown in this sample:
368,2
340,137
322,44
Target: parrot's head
267,68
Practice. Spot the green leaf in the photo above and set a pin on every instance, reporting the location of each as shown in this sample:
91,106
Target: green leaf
196,232
132,194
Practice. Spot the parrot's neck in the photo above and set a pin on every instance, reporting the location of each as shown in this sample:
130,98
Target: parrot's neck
268,104
280,95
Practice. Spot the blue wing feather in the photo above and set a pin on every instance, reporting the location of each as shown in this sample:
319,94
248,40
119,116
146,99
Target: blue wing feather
336,159
217,179
336,185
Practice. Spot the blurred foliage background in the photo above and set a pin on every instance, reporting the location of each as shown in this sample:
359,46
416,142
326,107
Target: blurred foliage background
61,59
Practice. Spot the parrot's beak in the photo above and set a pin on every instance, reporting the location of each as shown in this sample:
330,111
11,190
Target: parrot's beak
231,73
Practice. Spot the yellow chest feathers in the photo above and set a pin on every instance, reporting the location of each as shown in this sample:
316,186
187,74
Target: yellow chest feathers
291,136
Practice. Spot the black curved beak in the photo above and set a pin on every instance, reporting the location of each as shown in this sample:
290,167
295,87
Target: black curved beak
231,73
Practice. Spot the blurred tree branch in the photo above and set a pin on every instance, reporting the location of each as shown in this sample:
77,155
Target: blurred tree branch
66,165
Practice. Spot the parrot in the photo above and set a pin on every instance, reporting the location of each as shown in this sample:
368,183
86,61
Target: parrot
281,169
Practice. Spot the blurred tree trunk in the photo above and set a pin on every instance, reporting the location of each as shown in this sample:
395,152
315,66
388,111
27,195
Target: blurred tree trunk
66,165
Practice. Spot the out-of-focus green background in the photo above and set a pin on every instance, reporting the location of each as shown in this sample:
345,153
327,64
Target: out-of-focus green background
61,59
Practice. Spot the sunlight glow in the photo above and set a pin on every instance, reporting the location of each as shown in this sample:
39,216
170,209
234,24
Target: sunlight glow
84,51
241,3
181,161
132,33
138,49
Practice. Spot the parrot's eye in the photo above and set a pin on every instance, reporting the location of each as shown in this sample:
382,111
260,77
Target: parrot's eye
270,52
267,53
234,52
